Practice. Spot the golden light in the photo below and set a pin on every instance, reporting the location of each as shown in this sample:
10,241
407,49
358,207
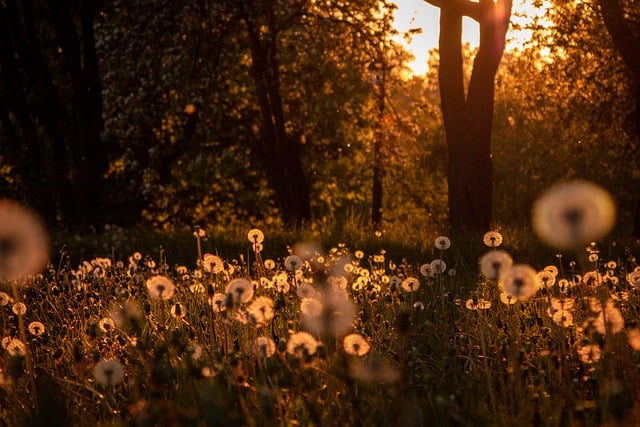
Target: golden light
420,14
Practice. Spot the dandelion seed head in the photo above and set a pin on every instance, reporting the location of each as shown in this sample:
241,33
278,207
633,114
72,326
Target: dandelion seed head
212,263
239,290
494,263
108,372
442,243
356,345
255,236
24,243
302,344
519,281
572,214
19,308
160,287
410,284
492,239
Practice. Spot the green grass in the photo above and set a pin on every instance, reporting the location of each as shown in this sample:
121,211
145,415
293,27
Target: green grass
432,360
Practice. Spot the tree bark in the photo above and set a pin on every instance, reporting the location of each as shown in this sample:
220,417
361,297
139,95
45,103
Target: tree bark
628,45
280,151
468,120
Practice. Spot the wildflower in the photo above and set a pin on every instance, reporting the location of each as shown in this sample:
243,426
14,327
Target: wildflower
633,337
260,311
336,318
269,264
302,344
239,290
293,263
194,350
425,270
305,290
356,345
477,304
160,287
4,299
573,213
178,311
358,254
218,302
438,266
108,372
589,353
212,264
442,243
519,281
552,269
106,324
255,236
15,347
545,279
633,278
592,279
493,239
410,284
19,308
36,328
494,263
311,307
609,319
24,245
507,299
264,347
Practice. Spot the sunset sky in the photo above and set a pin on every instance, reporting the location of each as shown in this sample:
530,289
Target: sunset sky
419,14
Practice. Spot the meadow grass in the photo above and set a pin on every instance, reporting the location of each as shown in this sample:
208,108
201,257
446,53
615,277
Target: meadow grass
141,328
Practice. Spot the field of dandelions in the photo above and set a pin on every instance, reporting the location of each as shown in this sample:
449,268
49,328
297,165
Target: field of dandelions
329,336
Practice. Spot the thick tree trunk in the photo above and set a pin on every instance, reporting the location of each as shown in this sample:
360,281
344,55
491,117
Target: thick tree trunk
628,45
468,121
280,151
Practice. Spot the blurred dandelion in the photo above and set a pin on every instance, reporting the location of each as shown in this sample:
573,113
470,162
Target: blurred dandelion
178,311
15,347
410,284
212,264
305,290
269,264
375,371
108,372
160,287
5,299
633,337
545,279
589,353
573,213
492,239
19,308
442,243
24,244
438,267
255,236
264,347
356,345
293,263
494,263
218,302
633,278
336,318
239,290
592,279
519,281
106,325
260,311
425,270
302,344
311,307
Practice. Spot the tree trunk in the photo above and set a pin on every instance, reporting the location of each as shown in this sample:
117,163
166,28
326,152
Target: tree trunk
468,121
280,151
628,45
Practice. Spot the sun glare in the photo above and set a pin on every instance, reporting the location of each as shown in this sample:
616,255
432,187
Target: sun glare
419,14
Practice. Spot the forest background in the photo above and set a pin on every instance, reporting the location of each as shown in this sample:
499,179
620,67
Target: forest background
163,115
